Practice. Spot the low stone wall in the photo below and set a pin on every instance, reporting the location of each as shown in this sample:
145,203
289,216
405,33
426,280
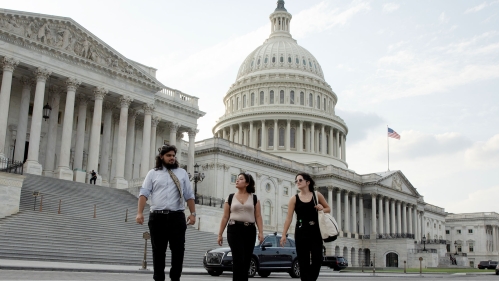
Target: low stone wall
10,193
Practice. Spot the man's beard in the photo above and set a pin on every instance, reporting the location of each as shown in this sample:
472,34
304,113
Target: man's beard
170,166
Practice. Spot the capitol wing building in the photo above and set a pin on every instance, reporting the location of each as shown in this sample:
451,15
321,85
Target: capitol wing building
70,103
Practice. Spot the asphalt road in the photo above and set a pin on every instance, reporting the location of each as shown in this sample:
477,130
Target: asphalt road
22,275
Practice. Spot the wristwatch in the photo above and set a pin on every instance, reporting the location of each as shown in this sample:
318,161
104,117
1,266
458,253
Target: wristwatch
193,214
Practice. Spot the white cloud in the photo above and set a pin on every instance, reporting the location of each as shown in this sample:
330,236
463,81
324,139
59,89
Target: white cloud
443,18
390,7
481,200
477,8
484,154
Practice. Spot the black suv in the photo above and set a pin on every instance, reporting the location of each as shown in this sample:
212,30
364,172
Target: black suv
487,264
335,262
267,257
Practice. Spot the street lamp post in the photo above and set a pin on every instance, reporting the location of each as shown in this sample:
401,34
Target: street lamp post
424,243
197,177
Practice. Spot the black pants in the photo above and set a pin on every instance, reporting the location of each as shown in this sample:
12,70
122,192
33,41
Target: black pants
241,242
309,245
167,228
93,179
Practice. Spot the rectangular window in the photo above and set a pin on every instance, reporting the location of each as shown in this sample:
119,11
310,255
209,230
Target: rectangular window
285,191
292,97
470,231
472,264
281,97
233,178
262,97
302,98
459,250
459,231
271,97
471,247
447,232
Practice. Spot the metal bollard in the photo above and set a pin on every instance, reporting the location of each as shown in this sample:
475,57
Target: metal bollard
95,211
59,211
146,236
126,216
41,203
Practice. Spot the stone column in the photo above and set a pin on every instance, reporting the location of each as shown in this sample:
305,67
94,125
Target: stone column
106,143
264,136
31,166
392,215
387,216
404,218
130,143
173,132
231,133
347,214
276,134
344,148
251,136
410,219
22,121
307,139
312,138
423,225
300,138
55,97
416,222
373,216
82,101
380,215
63,170
399,219
338,208
240,134
331,142
190,160
323,141
224,134
287,141
153,149
354,214
493,238
361,214
338,144
330,197
93,153
146,140
9,64
119,178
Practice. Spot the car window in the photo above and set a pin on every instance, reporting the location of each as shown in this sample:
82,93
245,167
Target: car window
272,240
292,242
288,243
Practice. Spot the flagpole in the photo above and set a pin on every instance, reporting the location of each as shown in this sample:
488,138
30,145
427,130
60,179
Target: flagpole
388,146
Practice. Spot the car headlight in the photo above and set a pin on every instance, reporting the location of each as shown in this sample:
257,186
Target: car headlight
229,254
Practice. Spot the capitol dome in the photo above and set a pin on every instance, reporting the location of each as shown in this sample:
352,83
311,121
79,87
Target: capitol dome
281,104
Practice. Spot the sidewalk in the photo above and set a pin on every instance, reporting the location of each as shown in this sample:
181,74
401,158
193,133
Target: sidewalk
110,268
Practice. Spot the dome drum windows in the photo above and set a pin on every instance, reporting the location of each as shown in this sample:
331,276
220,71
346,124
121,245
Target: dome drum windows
270,137
262,97
244,101
271,97
289,59
292,97
292,140
318,102
273,59
311,100
281,137
302,98
281,97
281,59
252,102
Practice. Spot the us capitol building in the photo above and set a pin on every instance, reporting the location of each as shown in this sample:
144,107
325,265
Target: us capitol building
110,114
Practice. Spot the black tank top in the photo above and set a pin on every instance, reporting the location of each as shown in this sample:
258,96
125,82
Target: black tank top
305,212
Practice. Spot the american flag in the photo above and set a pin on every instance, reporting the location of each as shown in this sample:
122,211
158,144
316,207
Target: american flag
393,134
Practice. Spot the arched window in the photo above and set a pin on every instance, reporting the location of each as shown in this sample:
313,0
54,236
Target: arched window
289,59
310,100
271,97
281,97
237,103
273,59
302,98
292,97
271,137
292,139
259,140
244,101
252,99
262,97
281,59
297,61
266,60
318,102
324,104
266,212
281,136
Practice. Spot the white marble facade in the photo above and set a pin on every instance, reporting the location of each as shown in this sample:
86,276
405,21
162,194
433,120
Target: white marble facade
109,114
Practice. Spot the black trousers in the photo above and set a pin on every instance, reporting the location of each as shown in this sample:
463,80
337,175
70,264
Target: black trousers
309,249
241,242
164,229
93,179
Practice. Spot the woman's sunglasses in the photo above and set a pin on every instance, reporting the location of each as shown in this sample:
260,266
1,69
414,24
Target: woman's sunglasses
299,180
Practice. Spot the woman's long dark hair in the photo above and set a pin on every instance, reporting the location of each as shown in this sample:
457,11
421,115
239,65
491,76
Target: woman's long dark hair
308,178
251,182
162,151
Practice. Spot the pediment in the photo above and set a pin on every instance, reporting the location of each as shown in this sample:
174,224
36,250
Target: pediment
397,181
64,36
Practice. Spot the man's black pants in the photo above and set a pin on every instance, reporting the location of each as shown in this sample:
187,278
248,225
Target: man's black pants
241,240
93,179
167,228
309,250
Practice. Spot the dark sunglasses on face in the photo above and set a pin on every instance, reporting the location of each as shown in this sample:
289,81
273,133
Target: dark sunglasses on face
298,180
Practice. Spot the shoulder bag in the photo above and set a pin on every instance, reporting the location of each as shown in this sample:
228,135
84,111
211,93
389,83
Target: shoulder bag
327,224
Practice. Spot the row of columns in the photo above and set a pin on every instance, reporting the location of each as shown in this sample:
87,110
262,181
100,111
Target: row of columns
125,132
335,140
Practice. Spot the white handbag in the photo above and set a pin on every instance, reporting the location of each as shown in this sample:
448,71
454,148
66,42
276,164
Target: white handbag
327,224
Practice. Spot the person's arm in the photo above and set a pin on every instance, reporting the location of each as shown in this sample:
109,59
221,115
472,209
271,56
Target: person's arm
140,209
323,203
223,223
289,218
145,192
259,222
192,207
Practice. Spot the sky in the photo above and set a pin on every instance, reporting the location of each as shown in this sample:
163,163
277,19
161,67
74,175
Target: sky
427,69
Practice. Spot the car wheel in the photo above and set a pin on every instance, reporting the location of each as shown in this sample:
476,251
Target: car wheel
264,273
295,270
252,268
215,272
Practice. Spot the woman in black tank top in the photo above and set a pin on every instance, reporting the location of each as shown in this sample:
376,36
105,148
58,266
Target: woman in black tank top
307,233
